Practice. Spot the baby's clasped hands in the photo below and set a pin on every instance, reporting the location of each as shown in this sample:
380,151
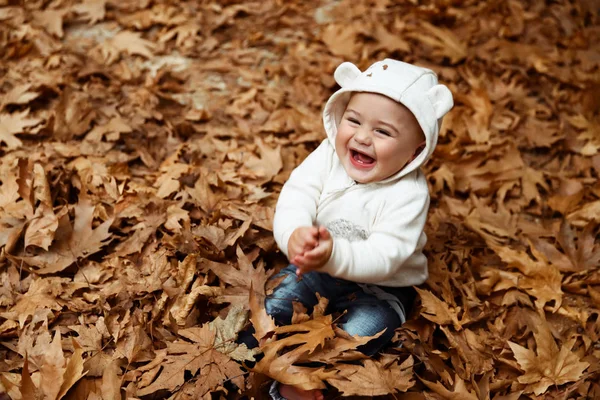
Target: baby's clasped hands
309,248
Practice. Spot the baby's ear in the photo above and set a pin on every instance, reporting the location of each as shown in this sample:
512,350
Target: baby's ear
441,98
345,73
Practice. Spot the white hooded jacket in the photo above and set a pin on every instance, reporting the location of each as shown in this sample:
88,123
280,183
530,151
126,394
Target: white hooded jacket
377,227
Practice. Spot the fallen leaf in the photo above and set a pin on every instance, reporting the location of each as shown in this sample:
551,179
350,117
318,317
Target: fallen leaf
551,365
79,240
91,10
375,378
15,123
436,310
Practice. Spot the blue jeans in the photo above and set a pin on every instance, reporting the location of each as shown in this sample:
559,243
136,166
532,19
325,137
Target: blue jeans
365,314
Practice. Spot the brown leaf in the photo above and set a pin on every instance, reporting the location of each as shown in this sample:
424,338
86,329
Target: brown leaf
15,123
28,389
48,356
342,39
436,310
374,378
444,42
263,323
51,20
215,368
111,130
42,227
280,366
41,294
550,366
111,383
20,94
80,240
459,392
74,370
269,163
91,10
542,280
126,42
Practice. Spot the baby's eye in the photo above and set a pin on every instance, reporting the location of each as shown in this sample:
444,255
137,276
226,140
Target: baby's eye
353,120
383,132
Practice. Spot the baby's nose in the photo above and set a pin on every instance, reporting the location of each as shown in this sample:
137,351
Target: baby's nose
362,136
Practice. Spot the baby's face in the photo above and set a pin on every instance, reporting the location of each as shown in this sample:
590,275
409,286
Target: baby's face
376,137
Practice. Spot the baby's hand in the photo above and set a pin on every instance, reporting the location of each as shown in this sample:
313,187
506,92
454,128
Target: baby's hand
303,239
316,257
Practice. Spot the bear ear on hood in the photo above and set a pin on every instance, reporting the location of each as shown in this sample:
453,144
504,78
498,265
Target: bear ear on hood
346,73
441,98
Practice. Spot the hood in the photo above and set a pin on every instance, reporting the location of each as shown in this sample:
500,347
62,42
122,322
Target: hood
415,87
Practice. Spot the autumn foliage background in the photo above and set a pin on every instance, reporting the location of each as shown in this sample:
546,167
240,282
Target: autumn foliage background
143,147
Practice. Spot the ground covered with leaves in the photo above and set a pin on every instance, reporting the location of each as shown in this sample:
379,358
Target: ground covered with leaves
143,146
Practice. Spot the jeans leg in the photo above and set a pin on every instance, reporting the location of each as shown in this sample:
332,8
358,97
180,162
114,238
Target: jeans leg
279,304
367,315
304,290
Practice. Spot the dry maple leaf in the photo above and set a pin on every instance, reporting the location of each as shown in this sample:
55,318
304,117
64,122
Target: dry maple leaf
51,21
111,130
125,42
550,366
279,365
41,228
438,311
269,163
202,355
242,279
589,212
460,391
580,251
42,294
226,332
590,133
263,323
444,42
185,33
76,241
57,374
20,94
374,378
542,280
342,39
91,10
12,124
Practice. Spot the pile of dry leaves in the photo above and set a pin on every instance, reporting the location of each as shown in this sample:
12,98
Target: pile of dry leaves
143,144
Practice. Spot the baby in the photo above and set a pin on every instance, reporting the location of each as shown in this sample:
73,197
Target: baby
350,218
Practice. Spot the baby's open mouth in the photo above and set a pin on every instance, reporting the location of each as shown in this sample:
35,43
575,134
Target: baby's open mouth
361,158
